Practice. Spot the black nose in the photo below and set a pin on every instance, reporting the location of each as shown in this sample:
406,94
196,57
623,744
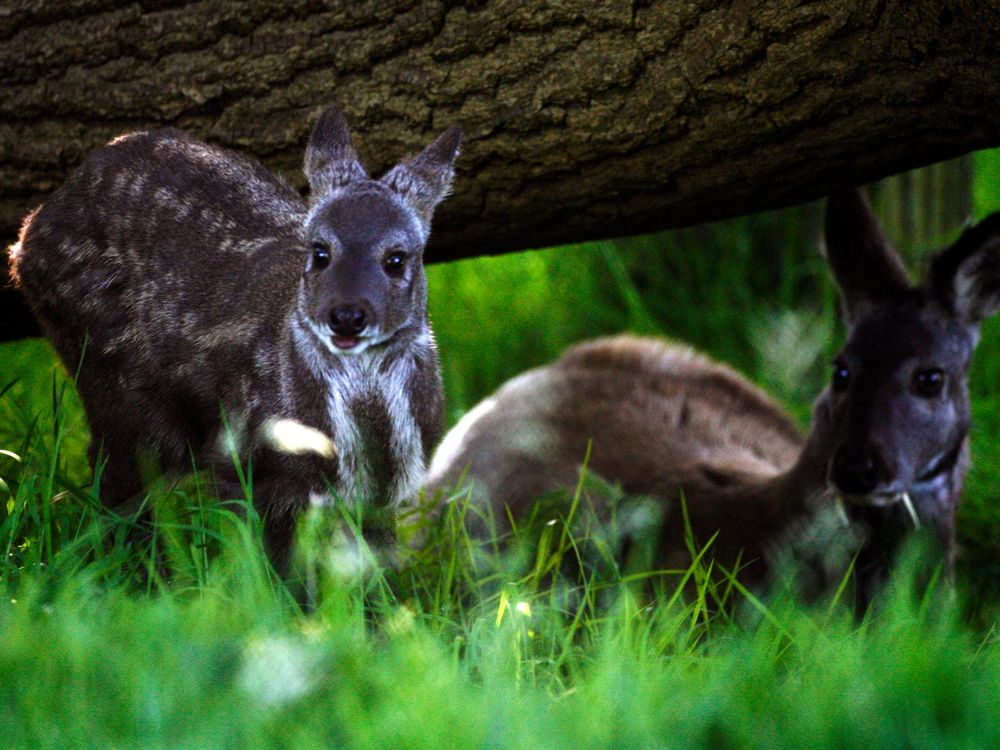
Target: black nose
857,470
348,320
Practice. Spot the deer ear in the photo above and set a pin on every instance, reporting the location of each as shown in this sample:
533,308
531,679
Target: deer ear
865,266
425,179
330,158
966,276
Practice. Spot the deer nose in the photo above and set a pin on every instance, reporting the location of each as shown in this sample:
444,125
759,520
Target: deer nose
348,320
857,470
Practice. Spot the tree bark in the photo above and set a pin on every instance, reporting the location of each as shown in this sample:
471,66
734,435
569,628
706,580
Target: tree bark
583,120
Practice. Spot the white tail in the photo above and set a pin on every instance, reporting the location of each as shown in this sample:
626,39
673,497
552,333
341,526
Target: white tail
888,437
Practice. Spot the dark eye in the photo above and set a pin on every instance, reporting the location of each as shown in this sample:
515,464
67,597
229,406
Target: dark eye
321,255
841,377
928,383
394,263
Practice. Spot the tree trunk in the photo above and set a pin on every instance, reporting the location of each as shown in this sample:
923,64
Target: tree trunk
583,120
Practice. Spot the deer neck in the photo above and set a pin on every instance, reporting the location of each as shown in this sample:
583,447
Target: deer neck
760,512
366,402
800,489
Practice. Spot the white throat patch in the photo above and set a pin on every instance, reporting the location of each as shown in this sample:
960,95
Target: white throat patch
379,372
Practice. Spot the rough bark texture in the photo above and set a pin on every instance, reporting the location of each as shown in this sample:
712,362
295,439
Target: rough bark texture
582,119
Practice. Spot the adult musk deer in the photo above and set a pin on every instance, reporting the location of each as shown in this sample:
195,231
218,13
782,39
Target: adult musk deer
204,303
889,434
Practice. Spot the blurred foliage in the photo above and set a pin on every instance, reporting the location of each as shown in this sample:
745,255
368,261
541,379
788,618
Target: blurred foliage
708,285
986,185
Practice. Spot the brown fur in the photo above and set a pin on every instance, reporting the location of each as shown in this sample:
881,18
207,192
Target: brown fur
660,419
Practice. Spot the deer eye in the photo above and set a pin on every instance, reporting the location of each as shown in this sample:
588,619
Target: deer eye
394,263
321,255
928,383
841,377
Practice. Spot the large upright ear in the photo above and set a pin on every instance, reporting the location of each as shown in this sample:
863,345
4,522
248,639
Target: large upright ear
330,158
425,179
966,276
865,266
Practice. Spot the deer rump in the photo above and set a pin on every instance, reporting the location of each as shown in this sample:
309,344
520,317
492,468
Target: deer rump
161,271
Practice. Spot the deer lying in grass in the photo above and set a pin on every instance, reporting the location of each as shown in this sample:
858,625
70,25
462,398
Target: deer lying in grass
888,437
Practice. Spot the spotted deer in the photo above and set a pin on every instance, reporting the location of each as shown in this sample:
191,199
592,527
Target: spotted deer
889,436
208,309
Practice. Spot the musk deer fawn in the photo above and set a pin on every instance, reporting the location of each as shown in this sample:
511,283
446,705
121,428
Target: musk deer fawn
888,438
204,305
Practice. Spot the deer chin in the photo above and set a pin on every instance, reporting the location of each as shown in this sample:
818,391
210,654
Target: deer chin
875,499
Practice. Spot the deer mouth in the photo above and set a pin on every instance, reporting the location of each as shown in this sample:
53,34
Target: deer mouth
879,500
373,337
346,342
875,499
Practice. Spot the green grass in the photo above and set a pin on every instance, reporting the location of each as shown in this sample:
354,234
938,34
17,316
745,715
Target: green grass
112,642
118,632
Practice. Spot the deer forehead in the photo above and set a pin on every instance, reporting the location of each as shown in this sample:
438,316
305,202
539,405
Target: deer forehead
892,337
363,218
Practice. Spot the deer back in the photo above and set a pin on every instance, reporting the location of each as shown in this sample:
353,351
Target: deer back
657,418
156,246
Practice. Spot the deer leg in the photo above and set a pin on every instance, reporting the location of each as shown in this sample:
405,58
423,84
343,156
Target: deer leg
117,465
133,433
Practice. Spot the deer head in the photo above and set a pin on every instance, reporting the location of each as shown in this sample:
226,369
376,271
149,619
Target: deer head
896,413
365,279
